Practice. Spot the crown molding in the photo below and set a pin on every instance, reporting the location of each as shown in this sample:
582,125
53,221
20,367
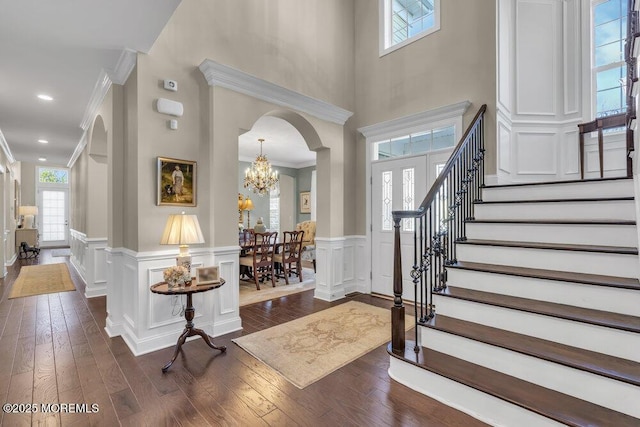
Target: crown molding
395,127
124,67
79,148
218,74
6,149
100,90
119,75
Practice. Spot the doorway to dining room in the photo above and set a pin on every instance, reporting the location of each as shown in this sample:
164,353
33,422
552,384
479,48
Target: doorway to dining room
280,208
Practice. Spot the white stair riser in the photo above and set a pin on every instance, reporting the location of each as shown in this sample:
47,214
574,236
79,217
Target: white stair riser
549,259
581,190
603,391
491,410
614,210
615,300
576,334
577,234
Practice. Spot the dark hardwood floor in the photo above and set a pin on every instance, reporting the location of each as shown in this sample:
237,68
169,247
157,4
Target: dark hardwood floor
53,349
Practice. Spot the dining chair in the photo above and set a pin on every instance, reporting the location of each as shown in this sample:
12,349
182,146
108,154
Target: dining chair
289,256
261,258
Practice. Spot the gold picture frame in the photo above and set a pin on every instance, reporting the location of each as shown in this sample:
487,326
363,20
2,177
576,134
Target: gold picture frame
305,202
207,275
177,181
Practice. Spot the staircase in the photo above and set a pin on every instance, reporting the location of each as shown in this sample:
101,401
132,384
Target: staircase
539,322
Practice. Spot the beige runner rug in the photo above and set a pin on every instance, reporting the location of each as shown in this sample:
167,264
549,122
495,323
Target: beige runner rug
307,349
42,279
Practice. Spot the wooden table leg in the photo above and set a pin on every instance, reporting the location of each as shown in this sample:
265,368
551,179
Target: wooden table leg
190,331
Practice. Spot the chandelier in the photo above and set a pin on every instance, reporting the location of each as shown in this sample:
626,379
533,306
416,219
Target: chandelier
259,177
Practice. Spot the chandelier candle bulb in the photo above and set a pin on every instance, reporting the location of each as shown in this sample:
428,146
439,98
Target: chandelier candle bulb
259,177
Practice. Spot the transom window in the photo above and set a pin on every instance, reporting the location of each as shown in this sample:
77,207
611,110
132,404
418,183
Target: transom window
404,21
415,143
53,176
609,30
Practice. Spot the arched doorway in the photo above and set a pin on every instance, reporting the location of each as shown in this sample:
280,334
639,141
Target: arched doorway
280,209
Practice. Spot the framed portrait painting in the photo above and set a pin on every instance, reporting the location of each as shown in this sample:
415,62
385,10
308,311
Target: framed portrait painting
305,202
176,182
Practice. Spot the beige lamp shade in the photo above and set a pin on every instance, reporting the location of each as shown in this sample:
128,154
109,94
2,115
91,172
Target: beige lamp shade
248,204
181,230
28,210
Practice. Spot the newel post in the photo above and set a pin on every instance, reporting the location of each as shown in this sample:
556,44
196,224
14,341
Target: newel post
397,311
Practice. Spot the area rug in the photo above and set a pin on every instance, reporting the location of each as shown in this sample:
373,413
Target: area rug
42,279
250,295
61,252
310,348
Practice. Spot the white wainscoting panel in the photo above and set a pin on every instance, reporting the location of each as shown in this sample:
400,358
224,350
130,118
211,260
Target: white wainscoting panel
536,153
614,159
536,57
356,265
504,146
571,153
89,258
78,244
571,48
147,321
330,269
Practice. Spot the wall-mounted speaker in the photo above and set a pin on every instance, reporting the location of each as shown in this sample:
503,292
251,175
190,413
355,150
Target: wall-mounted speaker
167,106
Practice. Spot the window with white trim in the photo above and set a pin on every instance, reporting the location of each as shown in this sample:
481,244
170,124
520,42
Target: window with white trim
404,21
415,143
609,30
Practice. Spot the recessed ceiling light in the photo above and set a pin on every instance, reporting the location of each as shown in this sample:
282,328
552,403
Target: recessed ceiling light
45,97
42,159
43,141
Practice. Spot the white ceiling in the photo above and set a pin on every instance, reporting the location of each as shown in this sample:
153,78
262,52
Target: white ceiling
61,47
283,145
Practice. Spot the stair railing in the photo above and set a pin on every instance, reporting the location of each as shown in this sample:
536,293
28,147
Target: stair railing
437,224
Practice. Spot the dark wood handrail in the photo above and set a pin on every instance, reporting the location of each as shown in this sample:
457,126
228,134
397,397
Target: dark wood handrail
445,171
599,125
437,224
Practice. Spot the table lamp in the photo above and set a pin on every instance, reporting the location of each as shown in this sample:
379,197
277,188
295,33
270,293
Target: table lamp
183,230
248,206
29,213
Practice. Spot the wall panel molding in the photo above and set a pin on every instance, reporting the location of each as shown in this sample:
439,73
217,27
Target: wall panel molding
536,153
571,46
536,52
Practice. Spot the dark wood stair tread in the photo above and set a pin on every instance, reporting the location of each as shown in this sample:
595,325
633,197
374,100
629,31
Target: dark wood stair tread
553,221
601,364
549,403
582,199
573,181
624,250
537,273
578,314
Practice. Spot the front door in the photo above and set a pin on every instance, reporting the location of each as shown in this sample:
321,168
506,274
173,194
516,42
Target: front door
398,184
53,221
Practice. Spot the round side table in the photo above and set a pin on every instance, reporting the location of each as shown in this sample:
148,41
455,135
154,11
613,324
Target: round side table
162,288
